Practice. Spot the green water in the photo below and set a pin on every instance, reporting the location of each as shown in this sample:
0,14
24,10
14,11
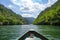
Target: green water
14,32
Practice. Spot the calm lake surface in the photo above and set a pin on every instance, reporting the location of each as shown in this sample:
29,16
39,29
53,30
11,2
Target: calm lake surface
14,32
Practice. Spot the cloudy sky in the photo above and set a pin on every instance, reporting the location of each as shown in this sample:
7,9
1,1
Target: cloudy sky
27,8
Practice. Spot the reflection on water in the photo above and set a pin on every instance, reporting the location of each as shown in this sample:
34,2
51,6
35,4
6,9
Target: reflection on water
16,31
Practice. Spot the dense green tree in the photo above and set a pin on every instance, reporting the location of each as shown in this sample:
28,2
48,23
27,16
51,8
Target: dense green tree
50,16
8,17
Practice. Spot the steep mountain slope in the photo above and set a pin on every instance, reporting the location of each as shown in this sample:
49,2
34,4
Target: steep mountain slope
29,20
50,16
8,17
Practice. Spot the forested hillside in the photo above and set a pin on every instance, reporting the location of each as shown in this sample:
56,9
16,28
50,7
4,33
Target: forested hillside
50,16
29,20
8,17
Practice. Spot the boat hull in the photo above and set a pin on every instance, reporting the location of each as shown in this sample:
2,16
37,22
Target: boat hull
35,34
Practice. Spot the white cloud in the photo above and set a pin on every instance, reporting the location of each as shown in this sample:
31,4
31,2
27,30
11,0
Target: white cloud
10,6
16,2
30,6
50,2
27,15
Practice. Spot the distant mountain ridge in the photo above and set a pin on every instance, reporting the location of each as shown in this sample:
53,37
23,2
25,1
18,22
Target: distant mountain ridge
50,16
29,20
8,17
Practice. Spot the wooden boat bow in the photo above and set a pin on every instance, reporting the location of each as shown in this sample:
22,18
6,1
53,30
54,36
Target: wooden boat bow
35,33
